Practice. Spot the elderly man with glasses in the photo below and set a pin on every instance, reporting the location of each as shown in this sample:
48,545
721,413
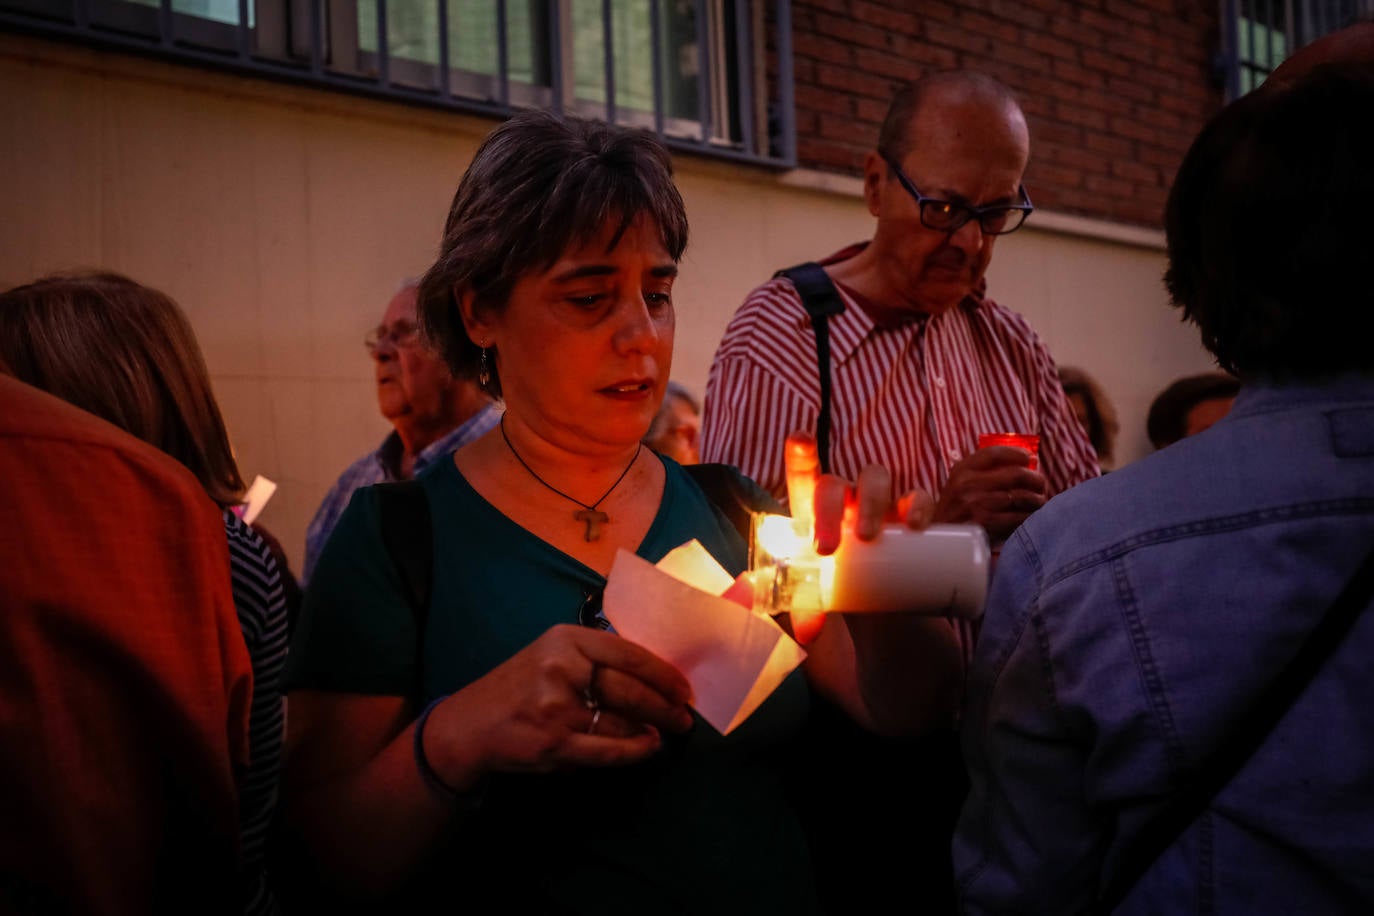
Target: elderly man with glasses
433,413
920,363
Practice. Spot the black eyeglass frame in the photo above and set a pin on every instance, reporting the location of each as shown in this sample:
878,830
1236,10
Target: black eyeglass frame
962,213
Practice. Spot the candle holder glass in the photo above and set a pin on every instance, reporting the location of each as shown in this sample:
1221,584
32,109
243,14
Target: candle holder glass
787,573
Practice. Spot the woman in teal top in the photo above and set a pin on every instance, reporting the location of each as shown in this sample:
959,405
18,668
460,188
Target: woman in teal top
540,765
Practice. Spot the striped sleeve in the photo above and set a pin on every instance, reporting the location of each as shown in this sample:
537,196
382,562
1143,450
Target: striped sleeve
260,601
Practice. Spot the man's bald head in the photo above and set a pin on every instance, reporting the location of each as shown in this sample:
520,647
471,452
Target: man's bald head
956,87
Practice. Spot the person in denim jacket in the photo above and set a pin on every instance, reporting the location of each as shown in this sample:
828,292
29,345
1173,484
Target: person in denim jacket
1134,618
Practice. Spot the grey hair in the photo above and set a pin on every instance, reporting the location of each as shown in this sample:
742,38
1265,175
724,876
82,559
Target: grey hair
539,184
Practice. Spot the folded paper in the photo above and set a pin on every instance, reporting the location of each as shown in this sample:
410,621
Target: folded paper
733,657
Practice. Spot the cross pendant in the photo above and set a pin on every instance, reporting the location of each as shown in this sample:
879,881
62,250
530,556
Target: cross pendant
594,520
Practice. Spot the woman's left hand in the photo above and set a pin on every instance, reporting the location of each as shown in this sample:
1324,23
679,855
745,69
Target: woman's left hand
575,696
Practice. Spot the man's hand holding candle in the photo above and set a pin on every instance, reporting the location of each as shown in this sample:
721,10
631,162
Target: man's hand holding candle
893,673
825,506
997,487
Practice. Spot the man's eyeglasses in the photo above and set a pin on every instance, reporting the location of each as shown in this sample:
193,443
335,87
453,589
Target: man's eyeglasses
400,334
947,216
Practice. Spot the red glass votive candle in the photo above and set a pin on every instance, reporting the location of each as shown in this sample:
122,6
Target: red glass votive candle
1027,442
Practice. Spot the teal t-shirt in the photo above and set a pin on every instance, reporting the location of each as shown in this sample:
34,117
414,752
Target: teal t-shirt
704,824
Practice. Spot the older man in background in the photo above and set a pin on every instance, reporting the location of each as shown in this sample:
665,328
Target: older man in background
432,411
676,426
922,361
899,359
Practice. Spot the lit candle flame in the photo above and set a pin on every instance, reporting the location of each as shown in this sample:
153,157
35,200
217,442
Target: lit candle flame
788,573
802,465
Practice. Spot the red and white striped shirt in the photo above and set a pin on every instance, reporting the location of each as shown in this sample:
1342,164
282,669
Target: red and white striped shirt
913,398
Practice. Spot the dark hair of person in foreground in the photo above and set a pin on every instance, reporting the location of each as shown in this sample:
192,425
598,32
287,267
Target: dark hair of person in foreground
1259,212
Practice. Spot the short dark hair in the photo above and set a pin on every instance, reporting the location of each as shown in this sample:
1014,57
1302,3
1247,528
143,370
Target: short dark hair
894,137
1167,421
538,184
1268,225
126,353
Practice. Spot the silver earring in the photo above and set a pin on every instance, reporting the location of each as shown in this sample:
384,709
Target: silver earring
483,373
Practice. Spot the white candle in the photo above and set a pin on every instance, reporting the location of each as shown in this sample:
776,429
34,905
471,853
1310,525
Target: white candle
942,570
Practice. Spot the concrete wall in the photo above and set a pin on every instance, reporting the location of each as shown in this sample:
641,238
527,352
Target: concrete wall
283,218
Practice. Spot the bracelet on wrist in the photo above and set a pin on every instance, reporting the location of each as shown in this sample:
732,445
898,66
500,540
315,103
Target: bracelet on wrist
436,785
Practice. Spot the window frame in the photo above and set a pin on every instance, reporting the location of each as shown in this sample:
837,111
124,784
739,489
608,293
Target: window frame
742,115
1302,22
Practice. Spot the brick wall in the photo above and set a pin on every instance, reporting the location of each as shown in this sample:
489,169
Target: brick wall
1114,90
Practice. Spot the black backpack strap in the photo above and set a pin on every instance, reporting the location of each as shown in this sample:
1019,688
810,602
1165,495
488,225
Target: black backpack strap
403,516
821,300
735,496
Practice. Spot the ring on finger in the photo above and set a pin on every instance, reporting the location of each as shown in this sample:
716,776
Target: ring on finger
589,693
596,717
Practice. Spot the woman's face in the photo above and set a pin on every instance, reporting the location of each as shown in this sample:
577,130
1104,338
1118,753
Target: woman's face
585,349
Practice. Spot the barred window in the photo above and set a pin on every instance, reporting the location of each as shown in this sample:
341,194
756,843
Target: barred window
710,76
1259,34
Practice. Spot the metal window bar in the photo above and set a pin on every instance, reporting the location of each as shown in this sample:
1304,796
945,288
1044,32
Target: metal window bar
502,54
1272,30
383,46
243,35
656,63
1233,32
441,19
722,84
308,43
316,38
703,73
744,87
1313,20
716,76
1279,28
608,57
1295,23
556,54
1248,52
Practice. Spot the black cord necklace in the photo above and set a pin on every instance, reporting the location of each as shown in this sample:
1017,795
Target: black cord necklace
593,517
